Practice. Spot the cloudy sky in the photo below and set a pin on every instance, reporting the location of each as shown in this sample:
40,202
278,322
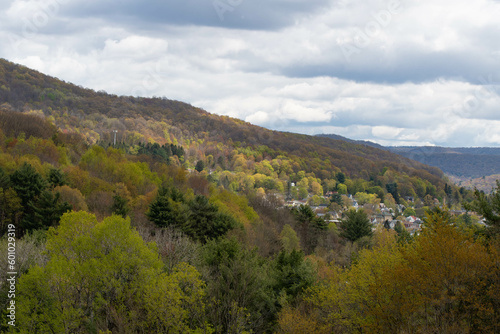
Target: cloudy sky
396,72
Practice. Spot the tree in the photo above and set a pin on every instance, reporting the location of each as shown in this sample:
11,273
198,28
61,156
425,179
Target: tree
289,239
56,178
310,227
294,274
10,208
120,206
27,183
488,207
239,287
168,209
337,198
392,188
409,211
45,212
316,188
340,177
200,166
101,276
355,225
205,221
4,179
342,188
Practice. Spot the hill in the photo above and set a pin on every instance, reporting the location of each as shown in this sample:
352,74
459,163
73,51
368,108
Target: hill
466,166
204,136
466,162
164,217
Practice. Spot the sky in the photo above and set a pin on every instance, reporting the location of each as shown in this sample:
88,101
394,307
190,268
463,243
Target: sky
394,72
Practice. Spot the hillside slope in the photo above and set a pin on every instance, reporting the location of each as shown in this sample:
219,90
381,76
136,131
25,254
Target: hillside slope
96,115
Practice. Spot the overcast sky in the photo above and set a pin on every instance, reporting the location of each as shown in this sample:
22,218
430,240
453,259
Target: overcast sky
395,72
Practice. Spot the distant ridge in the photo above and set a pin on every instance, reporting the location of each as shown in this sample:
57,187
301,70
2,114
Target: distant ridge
461,162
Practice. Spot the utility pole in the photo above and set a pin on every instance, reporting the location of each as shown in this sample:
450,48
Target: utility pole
114,140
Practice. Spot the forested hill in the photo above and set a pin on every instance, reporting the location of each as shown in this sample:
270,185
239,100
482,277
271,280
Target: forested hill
462,162
150,216
465,162
95,115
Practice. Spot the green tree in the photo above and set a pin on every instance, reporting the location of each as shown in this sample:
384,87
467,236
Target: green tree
310,227
56,178
355,225
27,183
10,208
392,188
409,211
293,274
46,212
205,221
4,179
340,177
200,166
120,206
240,288
289,239
101,276
168,209
337,198
488,207
342,188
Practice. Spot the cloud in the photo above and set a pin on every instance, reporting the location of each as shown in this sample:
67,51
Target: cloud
233,14
281,63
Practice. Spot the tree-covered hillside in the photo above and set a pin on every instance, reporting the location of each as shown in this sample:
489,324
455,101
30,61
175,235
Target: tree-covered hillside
188,222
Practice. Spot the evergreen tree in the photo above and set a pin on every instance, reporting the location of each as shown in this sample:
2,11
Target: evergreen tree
56,178
392,188
293,274
355,225
45,212
205,222
200,165
337,198
340,177
27,183
120,206
488,207
4,179
169,208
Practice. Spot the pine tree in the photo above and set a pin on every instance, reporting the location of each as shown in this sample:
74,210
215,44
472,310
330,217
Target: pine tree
56,178
356,225
27,183
45,212
120,206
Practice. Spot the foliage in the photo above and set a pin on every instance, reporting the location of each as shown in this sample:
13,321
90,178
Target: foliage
289,239
98,275
27,183
45,213
240,288
120,206
488,207
293,273
444,282
355,225
198,218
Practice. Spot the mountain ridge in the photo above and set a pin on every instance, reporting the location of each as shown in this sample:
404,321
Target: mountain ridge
459,162
95,115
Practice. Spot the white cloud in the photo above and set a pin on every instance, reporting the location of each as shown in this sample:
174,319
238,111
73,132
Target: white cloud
419,80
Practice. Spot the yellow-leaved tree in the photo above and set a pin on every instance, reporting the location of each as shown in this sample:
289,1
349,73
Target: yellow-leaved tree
101,276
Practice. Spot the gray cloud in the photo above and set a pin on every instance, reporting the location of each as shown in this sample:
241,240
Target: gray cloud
233,14
429,74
